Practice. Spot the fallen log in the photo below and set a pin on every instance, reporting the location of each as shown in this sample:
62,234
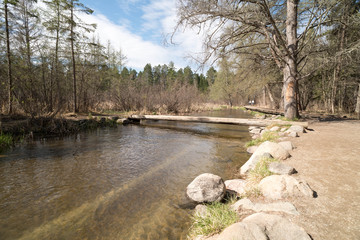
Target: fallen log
264,110
202,119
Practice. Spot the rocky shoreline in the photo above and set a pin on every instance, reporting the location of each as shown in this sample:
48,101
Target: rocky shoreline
267,214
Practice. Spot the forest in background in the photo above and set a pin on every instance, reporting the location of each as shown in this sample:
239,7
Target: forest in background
51,62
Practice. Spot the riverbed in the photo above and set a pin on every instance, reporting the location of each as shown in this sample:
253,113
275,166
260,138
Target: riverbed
114,183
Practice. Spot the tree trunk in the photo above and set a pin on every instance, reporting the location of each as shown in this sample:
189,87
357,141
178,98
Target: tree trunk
264,96
8,51
72,36
357,108
290,70
271,97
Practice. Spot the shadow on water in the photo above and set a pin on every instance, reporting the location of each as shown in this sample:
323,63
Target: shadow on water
122,183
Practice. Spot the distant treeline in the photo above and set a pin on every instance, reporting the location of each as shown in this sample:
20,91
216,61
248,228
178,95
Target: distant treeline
49,64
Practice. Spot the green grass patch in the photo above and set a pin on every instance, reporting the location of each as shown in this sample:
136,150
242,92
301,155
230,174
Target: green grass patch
267,136
217,218
278,125
261,169
6,141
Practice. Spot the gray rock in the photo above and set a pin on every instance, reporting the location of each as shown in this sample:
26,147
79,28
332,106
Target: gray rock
263,132
287,145
247,204
296,128
255,131
206,187
251,149
201,210
283,129
272,148
255,136
277,228
122,121
280,168
292,134
274,129
283,186
236,185
252,127
243,231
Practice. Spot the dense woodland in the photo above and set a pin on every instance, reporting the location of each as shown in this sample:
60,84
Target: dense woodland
293,55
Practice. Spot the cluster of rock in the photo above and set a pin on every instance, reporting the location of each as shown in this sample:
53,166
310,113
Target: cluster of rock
293,131
264,220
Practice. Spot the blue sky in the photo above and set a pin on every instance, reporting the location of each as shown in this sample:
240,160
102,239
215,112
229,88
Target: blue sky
140,27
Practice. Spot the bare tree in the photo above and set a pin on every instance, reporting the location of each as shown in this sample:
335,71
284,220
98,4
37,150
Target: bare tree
273,25
8,55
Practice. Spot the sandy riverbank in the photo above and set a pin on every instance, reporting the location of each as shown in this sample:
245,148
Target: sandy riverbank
328,158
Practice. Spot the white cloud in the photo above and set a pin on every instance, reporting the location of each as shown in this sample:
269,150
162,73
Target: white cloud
159,20
138,51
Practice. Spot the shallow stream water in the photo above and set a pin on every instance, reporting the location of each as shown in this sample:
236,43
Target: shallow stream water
114,183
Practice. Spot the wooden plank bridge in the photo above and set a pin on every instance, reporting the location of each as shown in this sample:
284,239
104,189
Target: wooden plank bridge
203,119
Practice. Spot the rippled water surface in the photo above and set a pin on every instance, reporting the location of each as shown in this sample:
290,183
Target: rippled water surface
114,183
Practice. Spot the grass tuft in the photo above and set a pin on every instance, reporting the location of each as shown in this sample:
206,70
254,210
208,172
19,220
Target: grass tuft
218,217
253,192
267,136
261,169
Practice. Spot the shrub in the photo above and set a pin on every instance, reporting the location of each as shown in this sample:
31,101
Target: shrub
6,140
267,136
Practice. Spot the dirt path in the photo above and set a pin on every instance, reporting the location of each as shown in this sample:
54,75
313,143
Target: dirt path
328,158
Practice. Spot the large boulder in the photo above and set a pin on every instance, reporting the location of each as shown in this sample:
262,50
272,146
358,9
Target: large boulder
276,227
296,128
281,168
283,186
251,149
236,185
274,129
243,231
287,145
206,187
274,149
247,204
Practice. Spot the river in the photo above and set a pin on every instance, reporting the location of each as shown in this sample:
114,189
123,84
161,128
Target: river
114,183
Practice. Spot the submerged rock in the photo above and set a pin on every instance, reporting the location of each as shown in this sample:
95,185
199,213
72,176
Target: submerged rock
201,210
206,187
251,149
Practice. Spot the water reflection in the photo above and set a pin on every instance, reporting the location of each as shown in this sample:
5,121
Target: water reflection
112,183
